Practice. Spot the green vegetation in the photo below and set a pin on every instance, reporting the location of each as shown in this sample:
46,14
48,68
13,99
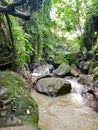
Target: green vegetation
18,103
90,27
58,29
23,47
63,31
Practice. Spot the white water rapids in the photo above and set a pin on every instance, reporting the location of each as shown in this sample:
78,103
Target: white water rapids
67,112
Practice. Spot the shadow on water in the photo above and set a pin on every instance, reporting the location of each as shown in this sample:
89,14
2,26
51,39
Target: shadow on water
67,112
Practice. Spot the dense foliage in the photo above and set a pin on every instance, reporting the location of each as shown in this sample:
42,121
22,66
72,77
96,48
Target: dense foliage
91,27
55,33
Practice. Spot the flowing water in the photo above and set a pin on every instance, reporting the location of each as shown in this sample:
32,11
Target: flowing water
67,112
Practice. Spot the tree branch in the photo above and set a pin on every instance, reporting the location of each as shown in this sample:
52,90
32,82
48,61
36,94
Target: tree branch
16,13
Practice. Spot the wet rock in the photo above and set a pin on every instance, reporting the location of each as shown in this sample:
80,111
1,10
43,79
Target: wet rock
95,77
91,99
44,69
43,76
74,71
84,67
37,76
90,91
17,107
62,70
53,86
85,79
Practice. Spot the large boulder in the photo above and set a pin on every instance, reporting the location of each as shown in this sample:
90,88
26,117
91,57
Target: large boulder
62,70
53,86
17,107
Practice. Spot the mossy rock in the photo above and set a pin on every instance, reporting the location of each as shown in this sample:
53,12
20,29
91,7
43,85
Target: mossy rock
52,86
62,70
95,77
17,107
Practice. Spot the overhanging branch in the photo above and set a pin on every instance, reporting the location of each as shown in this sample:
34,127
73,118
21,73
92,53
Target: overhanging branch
16,13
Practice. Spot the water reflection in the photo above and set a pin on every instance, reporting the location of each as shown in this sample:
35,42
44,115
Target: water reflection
68,112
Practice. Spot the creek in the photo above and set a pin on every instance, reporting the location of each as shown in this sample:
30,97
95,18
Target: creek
67,112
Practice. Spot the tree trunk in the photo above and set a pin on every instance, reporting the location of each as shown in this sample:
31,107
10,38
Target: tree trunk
6,48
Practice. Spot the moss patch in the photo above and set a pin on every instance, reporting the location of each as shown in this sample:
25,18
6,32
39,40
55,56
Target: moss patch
17,107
